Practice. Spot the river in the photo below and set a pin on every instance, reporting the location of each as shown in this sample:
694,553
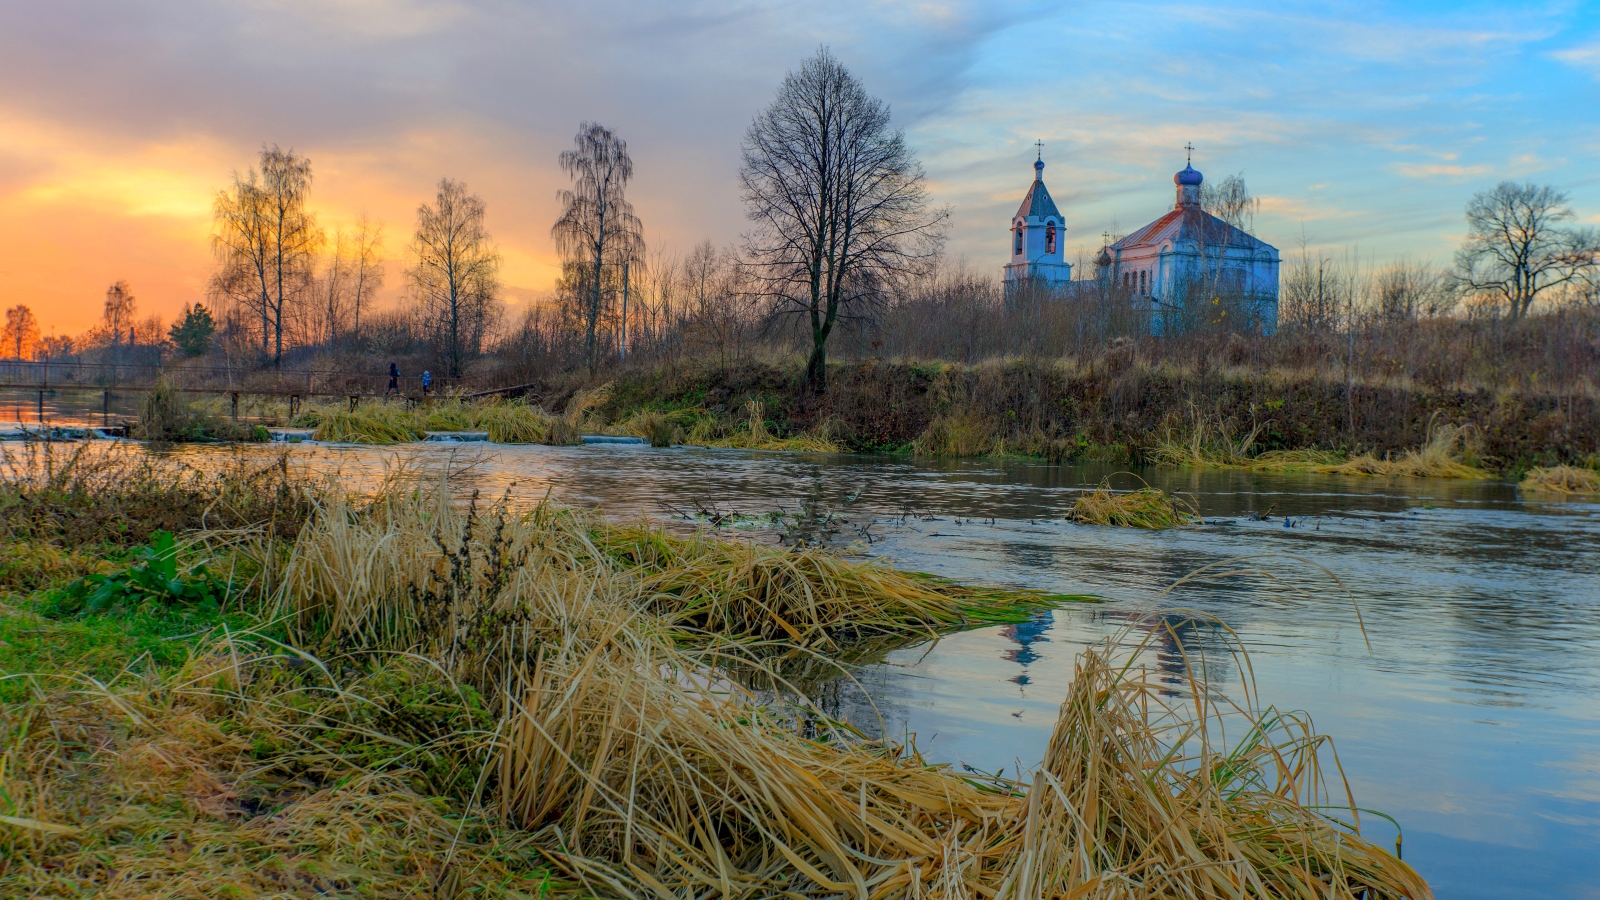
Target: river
1473,719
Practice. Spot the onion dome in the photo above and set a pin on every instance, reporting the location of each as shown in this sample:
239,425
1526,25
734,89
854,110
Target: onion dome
1188,177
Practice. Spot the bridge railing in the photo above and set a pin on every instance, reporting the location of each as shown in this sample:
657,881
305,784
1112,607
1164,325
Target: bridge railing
77,374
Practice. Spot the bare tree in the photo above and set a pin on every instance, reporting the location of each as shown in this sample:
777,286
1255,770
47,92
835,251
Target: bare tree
597,225
837,198
333,289
21,333
266,242
1230,201
366,268
1408,290
456,279
1515,248
117,316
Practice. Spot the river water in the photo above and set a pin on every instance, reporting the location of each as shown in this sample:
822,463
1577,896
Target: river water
1474,717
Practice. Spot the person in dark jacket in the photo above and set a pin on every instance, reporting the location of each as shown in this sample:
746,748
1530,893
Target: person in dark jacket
394,380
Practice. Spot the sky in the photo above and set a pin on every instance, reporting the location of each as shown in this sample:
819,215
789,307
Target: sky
1364,127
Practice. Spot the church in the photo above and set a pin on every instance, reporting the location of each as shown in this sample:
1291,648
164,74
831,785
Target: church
1186,267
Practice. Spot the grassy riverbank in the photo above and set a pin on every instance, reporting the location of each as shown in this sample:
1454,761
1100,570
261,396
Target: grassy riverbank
306,692
1118,408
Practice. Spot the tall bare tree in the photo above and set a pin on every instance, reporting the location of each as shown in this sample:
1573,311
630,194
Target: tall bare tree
21,333
456,278
1516,249
838,201
266,242
597,227
333,289
366,268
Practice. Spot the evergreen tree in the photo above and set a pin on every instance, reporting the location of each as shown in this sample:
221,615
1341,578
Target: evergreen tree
192,333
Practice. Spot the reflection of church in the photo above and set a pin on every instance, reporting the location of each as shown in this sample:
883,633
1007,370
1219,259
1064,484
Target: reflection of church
1174,266
1026,634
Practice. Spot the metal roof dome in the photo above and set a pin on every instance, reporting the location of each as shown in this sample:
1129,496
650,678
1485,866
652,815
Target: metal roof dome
1189,175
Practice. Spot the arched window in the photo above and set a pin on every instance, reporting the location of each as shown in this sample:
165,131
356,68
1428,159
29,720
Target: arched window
1018,251
1050,239
1142,283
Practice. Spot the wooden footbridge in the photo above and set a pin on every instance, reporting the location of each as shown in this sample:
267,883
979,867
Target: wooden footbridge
47,378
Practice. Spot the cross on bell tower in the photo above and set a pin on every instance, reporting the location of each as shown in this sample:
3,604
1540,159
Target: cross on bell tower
1188,156
1039,145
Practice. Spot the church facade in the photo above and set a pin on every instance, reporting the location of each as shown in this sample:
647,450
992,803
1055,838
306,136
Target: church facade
1187,267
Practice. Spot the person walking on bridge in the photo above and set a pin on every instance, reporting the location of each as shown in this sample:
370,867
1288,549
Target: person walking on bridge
427,382
394,380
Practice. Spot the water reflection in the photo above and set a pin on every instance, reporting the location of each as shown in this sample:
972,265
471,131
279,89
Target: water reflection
1025,635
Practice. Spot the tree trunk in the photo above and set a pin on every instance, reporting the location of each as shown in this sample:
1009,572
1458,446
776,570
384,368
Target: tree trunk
817,367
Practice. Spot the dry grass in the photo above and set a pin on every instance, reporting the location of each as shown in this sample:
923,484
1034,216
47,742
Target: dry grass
249,773
1145,507
513,684
756,436
1448,453
104,492
954,434
807,596
506,422
1561,480
644,770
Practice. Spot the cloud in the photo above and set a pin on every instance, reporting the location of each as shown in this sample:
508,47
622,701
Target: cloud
125,116
1436,170
1586,58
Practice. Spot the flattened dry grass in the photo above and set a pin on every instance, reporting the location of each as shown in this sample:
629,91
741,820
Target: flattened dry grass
1561,480
1145,507
249,772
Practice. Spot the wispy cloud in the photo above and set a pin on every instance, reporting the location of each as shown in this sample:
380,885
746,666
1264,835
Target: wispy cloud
1439,170
1585,57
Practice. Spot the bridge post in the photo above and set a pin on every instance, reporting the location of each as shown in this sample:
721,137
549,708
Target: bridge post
235,395
41,406
105,409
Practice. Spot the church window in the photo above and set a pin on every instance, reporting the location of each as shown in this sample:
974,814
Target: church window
1050,239
1018,251
1142,284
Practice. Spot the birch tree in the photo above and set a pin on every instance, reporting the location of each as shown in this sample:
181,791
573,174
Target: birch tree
266,242
456,279
597,227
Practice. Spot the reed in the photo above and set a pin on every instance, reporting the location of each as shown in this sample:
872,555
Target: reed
1561,480
1145,507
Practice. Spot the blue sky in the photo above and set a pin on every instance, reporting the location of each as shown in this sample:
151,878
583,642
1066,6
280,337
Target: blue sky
1362,126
